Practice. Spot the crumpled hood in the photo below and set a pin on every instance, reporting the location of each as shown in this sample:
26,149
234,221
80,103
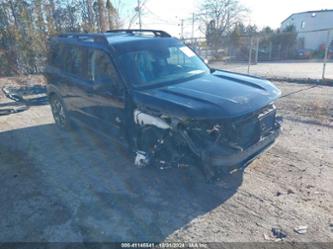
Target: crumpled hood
212,96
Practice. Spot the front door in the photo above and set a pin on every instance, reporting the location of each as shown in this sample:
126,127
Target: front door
107,95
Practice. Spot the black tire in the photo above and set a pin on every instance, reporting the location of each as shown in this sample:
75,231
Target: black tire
60,113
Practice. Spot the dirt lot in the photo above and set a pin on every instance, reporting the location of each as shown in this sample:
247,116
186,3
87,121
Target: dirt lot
58,186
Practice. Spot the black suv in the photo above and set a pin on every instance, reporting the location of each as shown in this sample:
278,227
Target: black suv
151,92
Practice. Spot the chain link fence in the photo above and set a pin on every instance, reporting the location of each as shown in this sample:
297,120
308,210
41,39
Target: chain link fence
275,55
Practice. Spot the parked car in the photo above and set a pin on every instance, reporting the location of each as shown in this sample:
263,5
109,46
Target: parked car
148,90
305,53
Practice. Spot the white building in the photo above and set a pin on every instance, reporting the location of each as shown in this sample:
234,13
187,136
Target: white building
305,22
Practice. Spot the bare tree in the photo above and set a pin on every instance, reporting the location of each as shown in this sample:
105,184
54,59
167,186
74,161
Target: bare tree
90,16
137,9
118,6
101,15
112,15
221,15
50,10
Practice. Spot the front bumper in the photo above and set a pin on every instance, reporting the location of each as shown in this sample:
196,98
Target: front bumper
232,158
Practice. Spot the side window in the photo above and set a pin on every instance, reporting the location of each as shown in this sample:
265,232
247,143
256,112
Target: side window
52,53
79,62
67,58
56,55
75,61
101,68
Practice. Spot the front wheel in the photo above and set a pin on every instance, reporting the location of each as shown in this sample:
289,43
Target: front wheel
59,112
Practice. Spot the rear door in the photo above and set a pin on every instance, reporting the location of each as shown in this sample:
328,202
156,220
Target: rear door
77,84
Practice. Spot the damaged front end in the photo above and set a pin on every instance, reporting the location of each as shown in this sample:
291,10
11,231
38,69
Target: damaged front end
218,146
159,142
232,144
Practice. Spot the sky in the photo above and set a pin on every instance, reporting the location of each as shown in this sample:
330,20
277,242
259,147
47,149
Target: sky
167,14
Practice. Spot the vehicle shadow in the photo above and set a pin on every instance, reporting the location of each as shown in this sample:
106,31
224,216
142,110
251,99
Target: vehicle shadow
84,188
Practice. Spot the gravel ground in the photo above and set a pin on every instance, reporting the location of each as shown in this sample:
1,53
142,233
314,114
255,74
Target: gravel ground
60,186
296,70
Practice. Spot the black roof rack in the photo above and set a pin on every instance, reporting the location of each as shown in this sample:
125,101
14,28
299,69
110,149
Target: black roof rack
97,37
102,38
157,33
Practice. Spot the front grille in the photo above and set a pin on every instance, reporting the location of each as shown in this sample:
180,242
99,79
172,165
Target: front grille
249,130
241,132
244,132
267,122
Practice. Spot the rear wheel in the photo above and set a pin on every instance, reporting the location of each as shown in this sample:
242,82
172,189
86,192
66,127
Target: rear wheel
59,112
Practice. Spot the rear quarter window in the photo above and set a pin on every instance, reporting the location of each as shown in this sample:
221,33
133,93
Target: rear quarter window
55,56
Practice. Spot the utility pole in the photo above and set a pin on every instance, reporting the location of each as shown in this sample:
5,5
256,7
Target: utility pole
193,20
250,56
270,50
138,9
182,28
326,53
257,50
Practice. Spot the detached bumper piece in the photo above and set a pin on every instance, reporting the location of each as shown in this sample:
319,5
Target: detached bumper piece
23,97
29,95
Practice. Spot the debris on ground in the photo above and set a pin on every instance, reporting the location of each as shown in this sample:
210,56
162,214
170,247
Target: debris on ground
278,233
267,237
290,191
30,95
12,107
301,229
22,97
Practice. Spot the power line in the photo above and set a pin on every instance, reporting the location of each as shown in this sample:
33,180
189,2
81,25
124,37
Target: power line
298,91
159,18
